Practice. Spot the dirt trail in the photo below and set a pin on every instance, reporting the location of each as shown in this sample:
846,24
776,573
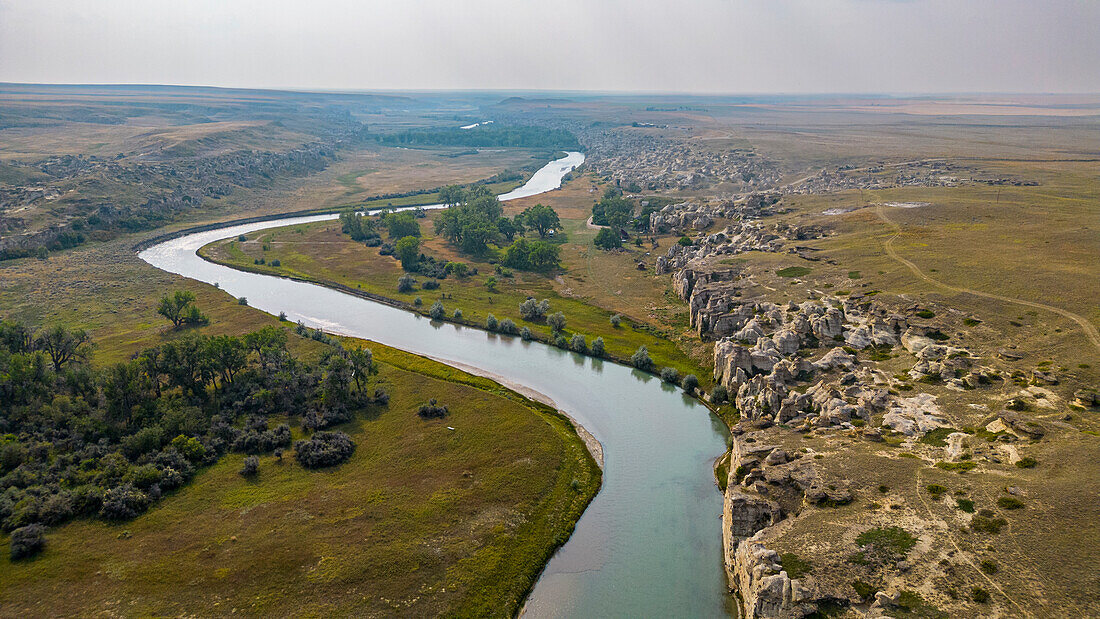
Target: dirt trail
1090,330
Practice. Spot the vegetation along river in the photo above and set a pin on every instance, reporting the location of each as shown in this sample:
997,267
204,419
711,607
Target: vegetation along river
650,543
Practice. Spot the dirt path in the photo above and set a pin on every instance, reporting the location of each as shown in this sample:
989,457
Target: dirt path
1090,330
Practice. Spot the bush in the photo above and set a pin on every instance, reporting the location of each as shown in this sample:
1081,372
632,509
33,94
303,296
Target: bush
719,394
525,333
242,301
418,301
577,343
1009,502
640,359
888,544
532,310
276,263
1027,462
556,321
491,322
685,241
432,410
989,566
27,541
251,466
508,327
123,503
986,522
430,284
491,283
324,449
965,505
437,311
406,283
690,383
670,375
457,315
979,595
597,347
616,319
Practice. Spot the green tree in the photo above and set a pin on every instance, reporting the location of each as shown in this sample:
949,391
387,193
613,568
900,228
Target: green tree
401,225
542,218
180,309
407,250
608,239
63,345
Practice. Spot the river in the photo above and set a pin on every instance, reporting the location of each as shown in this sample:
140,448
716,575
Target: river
650,543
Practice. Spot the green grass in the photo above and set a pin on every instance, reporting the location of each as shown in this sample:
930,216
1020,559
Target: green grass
793,271
937,437
888,543
959,467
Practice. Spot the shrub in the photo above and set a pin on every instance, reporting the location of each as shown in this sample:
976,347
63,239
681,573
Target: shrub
925,313
1027,462
437,311
864,589
597,347
561,341
418,301
986,522
965,505
430,284
432,410
616,319
1009,502
457,315
640,359
936,491
508,327
577,343
888,544
525,333
242,238
685,241
556,321
795,566
534,310
670,375
123,503
27,541
690,383
491,322
491,283
276,263
406,283
251,466
979,595
242,301
282,316
324,449
719,394
989,566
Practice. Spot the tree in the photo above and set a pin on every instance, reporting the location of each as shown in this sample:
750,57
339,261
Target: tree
401,225
542,218
436,311
361,361
556,321
577,343
405,283
451,195
227,355
251,466
640,359
63,345
670,375
608,240
491,283
324,449
690,383
491,322
178,308
597,347
616,319
407,250
534,310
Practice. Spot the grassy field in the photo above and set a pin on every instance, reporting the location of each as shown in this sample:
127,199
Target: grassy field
422,520
320,252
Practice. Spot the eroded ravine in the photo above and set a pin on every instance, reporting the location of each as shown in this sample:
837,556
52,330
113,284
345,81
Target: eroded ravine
650,542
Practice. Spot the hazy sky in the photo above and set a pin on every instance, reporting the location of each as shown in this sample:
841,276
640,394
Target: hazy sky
738,46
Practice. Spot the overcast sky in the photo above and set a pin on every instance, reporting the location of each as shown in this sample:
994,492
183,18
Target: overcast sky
730,46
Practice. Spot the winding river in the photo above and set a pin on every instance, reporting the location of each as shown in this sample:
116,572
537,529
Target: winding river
650,543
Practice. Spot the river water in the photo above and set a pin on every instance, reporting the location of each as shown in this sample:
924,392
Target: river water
650,543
